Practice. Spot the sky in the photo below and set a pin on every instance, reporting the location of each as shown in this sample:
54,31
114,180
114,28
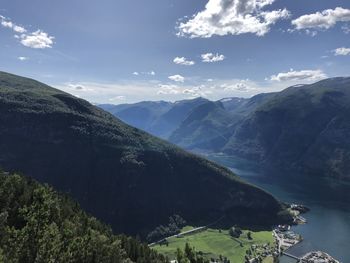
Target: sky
124,51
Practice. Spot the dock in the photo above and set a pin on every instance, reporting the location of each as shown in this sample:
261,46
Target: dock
291,256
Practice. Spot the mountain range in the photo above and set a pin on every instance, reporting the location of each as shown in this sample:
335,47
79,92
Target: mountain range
129,179
304,128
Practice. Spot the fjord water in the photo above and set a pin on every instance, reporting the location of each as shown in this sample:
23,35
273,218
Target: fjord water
328,227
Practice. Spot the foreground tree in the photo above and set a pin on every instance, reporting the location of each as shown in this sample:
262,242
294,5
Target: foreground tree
39,225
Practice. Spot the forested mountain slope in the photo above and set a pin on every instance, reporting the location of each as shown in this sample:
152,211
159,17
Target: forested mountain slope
126,177
39,225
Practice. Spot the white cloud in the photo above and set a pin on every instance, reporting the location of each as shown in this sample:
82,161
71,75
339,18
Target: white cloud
151,73
166,89
311,33
19,29
37,39
303,75
346,29
106,92
183,61
177,78
232,17
22,58
129,91
197,91
117,98
322,20
7,24
240,86
210,57
342,51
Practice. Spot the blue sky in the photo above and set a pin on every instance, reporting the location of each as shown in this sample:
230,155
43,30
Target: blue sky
117,51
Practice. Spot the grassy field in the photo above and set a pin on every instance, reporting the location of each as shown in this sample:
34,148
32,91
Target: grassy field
213,243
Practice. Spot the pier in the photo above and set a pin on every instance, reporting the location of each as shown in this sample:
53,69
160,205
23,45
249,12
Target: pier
291,256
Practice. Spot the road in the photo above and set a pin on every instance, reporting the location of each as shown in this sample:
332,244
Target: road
178,235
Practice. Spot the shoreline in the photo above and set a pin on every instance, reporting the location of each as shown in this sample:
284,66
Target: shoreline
287,239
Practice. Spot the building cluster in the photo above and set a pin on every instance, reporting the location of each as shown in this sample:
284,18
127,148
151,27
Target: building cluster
285,237
257,253
318,257
296,210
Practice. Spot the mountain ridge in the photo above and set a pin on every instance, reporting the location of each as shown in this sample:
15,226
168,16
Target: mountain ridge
123,176
251,127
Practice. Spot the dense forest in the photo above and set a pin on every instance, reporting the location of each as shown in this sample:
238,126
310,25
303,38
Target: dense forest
38,224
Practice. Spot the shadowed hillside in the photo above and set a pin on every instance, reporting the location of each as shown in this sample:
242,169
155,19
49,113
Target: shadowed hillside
120,174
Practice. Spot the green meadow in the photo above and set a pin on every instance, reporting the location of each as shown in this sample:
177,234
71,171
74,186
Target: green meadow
213,243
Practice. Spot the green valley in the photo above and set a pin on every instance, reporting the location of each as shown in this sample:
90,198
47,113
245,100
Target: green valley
213,243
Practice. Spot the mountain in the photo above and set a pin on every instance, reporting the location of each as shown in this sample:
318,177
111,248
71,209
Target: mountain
231,104
208,127
38,224
158,118
204,128
193,124
304,128
123,176
143,115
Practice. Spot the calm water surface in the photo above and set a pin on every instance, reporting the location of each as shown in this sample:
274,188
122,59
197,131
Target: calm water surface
328,227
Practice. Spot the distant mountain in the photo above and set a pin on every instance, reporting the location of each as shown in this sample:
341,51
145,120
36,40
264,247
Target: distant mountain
304,128
209,127
129,179
204,128
231,104
143,115
158,118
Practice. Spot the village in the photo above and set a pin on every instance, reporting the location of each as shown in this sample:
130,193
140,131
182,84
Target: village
286,238
265,252
318,257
